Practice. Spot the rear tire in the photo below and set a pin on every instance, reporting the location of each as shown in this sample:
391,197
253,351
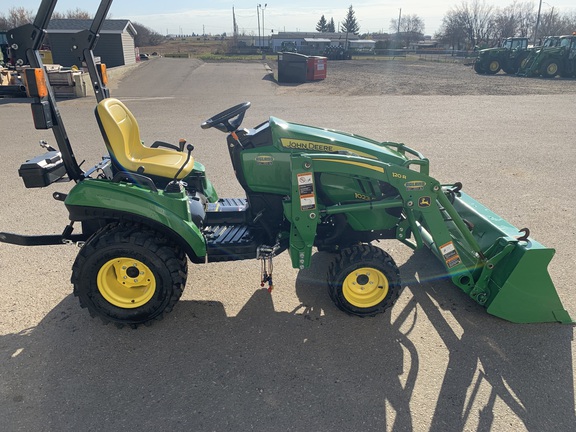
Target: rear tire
129,274
363,281
478,68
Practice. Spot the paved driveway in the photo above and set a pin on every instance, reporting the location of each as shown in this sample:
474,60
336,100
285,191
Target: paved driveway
232,357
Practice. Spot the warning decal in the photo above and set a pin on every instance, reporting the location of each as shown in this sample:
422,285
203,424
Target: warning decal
306,191
307,202
450,255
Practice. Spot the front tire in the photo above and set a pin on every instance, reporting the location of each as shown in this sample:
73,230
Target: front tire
129,274
550,69
364,281
493,67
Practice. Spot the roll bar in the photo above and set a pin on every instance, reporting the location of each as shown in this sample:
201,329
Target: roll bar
25,43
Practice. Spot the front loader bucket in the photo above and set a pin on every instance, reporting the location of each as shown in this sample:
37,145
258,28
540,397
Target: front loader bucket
511,277
524,290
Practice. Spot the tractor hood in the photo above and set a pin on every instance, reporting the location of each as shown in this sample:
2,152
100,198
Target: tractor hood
492,51
559,50
309,139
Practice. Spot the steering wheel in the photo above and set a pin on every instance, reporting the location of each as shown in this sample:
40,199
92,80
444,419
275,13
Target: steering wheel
229,120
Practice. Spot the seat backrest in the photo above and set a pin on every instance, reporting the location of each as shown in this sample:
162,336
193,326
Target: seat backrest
122,136
120,130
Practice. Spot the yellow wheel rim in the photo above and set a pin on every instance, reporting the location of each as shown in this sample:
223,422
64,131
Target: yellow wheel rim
126,283
365,287
494,66
552,69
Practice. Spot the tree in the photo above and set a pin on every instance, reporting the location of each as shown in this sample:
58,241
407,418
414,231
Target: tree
350,24
72,14
4,23
16,17
478,21
411,28
526,18
146,36
322,25
331,27
516,19
452,31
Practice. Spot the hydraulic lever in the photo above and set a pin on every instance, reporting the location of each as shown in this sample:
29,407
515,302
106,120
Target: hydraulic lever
175,185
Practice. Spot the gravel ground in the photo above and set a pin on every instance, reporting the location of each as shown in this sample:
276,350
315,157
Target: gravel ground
418,77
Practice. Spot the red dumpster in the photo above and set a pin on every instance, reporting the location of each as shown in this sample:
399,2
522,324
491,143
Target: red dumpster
316,68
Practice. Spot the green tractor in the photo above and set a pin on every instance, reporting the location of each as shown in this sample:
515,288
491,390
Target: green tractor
144,212
508,57
288,46
558,58
533,57
3,48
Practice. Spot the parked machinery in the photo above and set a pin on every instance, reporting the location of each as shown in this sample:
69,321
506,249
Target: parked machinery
508,57
145,212
557,57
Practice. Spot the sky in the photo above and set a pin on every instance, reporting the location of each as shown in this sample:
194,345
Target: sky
215,16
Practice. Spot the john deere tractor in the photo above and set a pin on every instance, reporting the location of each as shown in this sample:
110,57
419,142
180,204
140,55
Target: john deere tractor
143,213
508,57
553,60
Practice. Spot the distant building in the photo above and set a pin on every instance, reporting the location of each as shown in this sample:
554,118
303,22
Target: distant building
363,45
115,46
311,42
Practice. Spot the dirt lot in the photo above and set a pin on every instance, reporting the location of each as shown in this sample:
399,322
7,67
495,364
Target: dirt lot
418,77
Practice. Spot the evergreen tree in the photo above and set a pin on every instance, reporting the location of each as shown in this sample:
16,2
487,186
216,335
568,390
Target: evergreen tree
322,25
331,27
350,24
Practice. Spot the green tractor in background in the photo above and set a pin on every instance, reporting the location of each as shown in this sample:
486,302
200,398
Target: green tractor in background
3,49
556,58
549,42
145,212
508,57
288,46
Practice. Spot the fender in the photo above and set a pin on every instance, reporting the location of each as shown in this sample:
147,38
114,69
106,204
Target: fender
167,211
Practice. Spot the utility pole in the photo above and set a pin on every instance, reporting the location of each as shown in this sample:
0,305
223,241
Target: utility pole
235,27
264,28
258,6
537,23
398,32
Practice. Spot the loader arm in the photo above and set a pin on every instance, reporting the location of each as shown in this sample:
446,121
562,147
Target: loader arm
481,252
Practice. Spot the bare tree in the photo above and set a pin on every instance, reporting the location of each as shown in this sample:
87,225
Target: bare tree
411,28
72,14
16,17
452,32
553,23
3,23
478,21
505,22
516,19
526,18
146,36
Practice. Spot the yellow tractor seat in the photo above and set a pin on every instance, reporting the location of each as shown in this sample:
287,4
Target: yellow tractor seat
122,136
